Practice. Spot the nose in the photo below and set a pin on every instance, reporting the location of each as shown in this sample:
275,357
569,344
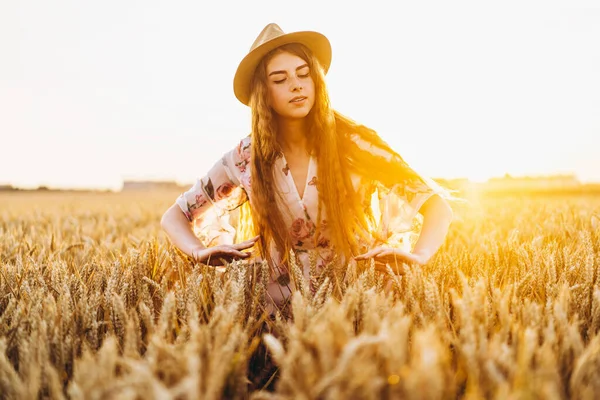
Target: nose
295,84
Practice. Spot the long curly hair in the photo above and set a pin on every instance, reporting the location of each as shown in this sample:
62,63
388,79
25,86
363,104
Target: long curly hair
329,139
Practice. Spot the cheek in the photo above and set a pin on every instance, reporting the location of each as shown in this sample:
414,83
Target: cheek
311,86
276,95
311,92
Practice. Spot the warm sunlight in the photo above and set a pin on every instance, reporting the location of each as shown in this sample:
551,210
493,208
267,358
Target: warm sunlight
454,91
300,200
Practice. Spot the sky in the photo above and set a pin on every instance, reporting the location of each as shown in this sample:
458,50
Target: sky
94,93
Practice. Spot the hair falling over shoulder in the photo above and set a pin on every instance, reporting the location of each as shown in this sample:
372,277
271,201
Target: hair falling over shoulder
337,155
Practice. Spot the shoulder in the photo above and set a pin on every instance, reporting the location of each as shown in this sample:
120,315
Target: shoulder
359,135
237,160
246,141
371,144
241,150
244,148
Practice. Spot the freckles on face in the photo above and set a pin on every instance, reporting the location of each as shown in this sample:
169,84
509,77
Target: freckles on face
290,85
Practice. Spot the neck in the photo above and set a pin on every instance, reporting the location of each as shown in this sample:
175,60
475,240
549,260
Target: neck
292,135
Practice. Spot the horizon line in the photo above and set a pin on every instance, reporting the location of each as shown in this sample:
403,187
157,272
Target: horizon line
7,186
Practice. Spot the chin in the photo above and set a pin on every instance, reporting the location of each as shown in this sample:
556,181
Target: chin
297,114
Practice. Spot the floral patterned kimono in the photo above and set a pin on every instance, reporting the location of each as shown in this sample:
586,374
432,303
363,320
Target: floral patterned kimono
227,186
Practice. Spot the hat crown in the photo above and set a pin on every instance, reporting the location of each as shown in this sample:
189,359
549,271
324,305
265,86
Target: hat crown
270,32
270,38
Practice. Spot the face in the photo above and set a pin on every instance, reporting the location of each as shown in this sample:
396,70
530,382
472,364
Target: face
290,86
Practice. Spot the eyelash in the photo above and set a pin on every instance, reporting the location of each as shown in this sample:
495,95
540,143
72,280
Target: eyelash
300,76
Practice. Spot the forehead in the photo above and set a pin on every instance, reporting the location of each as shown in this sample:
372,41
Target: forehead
284,61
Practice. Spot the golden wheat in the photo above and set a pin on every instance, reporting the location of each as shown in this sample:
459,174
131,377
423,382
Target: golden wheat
96,304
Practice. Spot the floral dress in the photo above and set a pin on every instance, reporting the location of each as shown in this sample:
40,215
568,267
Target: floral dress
228,185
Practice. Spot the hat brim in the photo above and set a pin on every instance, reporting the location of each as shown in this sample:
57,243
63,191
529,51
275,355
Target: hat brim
316,42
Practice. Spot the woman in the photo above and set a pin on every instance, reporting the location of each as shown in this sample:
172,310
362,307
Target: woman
306,176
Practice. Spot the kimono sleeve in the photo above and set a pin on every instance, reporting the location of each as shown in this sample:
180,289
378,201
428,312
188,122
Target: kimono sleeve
220,189
399,202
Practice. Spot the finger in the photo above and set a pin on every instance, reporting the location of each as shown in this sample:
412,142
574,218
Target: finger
395,260
369,254
398,252
391,256
250,241
233,253
243,245
225,254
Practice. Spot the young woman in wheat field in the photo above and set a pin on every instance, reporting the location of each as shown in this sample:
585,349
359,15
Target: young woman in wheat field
305,178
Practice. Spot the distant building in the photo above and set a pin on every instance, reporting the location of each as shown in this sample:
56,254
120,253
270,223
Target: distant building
150,185
551,182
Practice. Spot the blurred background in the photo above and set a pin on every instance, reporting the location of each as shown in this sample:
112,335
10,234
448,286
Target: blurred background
112,94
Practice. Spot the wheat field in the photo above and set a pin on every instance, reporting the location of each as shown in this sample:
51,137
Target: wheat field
96,304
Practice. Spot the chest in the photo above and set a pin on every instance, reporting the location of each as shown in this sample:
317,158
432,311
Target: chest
296,167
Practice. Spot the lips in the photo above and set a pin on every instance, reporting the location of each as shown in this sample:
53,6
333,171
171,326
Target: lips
298,99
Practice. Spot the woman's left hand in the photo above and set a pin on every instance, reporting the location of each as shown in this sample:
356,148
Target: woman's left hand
394,257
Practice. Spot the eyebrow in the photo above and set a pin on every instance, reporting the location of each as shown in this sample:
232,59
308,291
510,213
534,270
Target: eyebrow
283,72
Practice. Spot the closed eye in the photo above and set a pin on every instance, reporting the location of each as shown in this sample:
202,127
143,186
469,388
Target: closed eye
299,76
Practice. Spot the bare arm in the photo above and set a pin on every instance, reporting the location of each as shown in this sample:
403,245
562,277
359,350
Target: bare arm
179,230
437,216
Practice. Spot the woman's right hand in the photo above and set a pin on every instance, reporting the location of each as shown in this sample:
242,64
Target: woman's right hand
224,253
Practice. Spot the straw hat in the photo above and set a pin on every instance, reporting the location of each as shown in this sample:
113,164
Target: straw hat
270,38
